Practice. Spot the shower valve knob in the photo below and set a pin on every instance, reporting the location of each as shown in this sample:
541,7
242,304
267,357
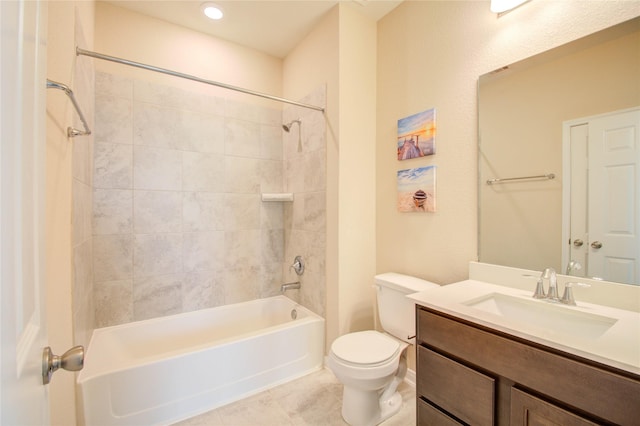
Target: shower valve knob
298,265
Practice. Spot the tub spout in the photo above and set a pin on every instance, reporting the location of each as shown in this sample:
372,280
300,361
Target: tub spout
289,286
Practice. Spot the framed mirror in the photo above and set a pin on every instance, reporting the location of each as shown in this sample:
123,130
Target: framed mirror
538,196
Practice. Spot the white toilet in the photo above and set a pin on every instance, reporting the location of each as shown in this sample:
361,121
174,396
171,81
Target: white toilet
371,364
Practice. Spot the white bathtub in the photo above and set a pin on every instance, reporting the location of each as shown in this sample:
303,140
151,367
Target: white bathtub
167,369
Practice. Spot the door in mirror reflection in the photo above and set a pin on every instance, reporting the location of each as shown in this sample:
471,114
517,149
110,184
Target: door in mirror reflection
522,108
605,182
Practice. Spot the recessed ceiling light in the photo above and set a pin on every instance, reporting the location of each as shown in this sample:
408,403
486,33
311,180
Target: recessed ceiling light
212,10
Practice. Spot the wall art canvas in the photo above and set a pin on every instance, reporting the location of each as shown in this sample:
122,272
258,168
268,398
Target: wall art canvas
417,135
417,189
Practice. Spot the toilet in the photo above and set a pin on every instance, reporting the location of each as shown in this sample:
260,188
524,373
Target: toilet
371,364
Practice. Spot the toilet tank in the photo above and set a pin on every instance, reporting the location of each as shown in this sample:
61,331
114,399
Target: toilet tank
395,310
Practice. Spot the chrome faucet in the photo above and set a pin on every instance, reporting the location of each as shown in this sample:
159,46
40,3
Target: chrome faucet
552,294
289,286
550,274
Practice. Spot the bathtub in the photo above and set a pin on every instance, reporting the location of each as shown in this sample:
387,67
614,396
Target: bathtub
167,369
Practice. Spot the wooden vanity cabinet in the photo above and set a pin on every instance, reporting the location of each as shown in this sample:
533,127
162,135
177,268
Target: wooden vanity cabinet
470,374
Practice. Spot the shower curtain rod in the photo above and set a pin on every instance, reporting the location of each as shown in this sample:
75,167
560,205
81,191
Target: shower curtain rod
80,51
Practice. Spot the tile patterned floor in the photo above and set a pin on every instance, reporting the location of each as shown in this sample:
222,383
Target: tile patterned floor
313,400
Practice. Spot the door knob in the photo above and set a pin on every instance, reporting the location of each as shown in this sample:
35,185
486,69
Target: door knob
71,360
578,242
596,244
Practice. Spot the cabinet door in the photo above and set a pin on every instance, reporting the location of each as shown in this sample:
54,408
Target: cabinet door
528,410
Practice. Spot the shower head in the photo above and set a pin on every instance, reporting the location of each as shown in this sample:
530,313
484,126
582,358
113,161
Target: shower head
287,127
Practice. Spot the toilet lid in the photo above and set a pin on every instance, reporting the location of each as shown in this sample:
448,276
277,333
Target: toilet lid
365,347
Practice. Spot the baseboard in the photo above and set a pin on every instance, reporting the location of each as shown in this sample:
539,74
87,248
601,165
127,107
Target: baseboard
410,378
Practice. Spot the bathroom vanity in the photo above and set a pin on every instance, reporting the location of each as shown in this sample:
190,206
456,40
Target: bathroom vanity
472,374
483,359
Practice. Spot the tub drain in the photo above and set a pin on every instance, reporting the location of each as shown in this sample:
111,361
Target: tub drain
294,314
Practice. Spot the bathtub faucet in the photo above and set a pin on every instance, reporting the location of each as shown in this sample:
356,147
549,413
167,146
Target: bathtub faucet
289,286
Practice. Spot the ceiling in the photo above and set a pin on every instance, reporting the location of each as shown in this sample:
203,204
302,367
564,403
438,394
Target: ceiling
272,27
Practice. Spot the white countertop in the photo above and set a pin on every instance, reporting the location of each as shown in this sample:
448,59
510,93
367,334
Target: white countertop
618,346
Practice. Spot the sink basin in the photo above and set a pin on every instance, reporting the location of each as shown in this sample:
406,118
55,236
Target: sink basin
543,314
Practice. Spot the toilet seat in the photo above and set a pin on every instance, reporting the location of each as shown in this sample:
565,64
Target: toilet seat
365,348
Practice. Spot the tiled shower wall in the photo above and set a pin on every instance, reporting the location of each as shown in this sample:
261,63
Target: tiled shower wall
305,219
178,221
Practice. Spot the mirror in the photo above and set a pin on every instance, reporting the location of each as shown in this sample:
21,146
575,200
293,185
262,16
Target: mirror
528,112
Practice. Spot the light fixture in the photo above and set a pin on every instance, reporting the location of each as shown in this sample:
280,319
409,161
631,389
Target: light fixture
502,6
212,10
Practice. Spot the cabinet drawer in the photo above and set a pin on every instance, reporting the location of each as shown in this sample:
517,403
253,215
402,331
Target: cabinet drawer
529,410
457,389
430,416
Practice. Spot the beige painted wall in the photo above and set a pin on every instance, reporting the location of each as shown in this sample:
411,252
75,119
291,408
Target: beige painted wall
595,80
130,35
357,160
341,53
62,21
430,54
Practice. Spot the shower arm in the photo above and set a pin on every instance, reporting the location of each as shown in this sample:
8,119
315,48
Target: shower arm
96,55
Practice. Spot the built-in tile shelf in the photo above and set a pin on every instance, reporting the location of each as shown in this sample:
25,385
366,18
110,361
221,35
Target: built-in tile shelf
277,196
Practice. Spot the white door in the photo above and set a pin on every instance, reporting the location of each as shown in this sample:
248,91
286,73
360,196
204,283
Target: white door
614,194
22,128
579,198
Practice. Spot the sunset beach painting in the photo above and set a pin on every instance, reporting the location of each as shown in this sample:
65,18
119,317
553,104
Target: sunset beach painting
417,189
417,135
